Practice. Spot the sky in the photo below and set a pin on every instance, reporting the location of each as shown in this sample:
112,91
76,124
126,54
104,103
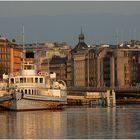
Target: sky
55,21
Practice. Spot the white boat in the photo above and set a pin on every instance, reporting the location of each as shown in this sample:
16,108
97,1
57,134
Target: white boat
32,90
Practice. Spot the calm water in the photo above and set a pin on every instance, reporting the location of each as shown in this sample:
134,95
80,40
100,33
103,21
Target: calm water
73,122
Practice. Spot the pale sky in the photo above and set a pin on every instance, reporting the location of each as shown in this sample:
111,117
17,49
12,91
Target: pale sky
62,21
35,8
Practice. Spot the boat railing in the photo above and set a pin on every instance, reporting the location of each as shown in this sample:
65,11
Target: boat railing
42,97
31,85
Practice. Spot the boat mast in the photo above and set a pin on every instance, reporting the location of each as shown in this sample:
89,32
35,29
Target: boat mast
23,45
36,55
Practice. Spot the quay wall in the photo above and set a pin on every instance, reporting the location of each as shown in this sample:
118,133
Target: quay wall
86,96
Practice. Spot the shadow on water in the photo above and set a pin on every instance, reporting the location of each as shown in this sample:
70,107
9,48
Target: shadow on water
81,122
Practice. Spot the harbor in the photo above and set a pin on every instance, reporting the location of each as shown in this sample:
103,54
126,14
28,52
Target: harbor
69,70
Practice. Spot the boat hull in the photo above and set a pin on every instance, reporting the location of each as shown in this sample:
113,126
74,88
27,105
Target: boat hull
20,102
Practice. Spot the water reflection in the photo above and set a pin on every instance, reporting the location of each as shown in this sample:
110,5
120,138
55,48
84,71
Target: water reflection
36,124
92,123
73,122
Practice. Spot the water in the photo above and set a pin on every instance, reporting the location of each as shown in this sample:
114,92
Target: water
73,122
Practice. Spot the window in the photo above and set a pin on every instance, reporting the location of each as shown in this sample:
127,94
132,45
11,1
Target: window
12,80
24,80
29,80
25,91
126,54
21,80
127,82
17,80
41,80
36,80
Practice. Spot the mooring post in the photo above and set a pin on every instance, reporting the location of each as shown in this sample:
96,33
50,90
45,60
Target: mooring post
114,97
108,97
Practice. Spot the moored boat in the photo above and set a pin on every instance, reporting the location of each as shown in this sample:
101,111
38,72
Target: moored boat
30,89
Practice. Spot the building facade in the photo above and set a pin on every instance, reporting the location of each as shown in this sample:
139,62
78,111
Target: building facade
56,64
82,64
118,67
105,65
10,57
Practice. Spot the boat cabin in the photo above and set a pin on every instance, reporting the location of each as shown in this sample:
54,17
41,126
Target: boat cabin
29,80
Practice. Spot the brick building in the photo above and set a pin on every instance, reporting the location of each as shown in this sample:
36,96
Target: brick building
10,57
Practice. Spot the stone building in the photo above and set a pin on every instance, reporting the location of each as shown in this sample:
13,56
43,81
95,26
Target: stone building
37,52
82,64
127,67
118,67
105,65
56,64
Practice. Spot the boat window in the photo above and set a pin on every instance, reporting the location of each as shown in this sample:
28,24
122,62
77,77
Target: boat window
21,80
29,80
12,80
41,80
36,80
24,80
17,80
25,91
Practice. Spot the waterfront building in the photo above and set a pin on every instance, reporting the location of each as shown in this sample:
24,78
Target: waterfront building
38,52
105,65
56,64
69,72
118,67
127,61
82,66
10,57
101,66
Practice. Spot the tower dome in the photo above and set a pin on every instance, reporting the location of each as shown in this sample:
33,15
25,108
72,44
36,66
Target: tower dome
81,36
81,44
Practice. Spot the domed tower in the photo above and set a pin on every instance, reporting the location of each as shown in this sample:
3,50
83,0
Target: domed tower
79,63
81,44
